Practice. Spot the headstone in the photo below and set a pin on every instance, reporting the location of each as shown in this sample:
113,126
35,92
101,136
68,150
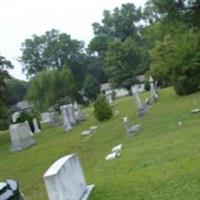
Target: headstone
54,118
142,109
45,117
112,156
109,97
20,137
71,114
79,116
15,116
87,132
10,190
65,180
36,126
117,148
130,129
93,128
196,110
66,123
154,95
28,127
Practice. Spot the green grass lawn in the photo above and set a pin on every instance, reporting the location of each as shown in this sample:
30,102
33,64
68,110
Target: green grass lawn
160,163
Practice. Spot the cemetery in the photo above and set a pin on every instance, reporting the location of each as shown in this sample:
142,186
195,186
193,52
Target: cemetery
100,100
160,156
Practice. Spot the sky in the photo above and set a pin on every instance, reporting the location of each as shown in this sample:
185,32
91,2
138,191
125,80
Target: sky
20,19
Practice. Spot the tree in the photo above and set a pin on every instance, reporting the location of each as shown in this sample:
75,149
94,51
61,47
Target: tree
49,87
4,65
176,59
15,91
123,62
52,50
119,45
91,87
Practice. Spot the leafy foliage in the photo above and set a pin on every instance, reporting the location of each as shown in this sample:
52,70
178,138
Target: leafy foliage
4,119
123,62
102,109
4,65
91,87
118,43
15,91
48,87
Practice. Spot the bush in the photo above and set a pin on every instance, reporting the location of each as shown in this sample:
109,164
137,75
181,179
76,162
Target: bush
4,119
25,116
102,109
147,85
184,85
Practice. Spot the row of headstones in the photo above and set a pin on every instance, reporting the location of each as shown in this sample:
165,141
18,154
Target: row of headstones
21,134
71,115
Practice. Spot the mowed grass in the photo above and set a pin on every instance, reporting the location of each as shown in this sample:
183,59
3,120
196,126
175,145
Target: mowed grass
160,163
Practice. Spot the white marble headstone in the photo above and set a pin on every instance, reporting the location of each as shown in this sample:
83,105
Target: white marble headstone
20,137
65,180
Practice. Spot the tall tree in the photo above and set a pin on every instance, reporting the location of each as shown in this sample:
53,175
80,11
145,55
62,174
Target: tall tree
15,91
4,65
52,50
119,44
49,87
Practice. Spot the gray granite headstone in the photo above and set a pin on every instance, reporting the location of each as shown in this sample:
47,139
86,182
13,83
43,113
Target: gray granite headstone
20,137
71,114
66,122
54,118
65,180
45,117
153,95
130,129
142,109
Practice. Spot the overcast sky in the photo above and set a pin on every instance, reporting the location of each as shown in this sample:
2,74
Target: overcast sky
20,19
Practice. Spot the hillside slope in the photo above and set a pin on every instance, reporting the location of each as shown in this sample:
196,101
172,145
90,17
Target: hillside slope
162,162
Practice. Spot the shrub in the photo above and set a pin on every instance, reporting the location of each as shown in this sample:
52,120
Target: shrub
184,85
147,85
25,116
102,109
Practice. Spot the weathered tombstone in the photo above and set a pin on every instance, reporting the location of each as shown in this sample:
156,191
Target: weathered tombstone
65,180
79,116
54,118
71,114
45,117
15,116
142,109
36,126
28,127
10,190
117,148
66,123
154,95
109,97
130,129
112,155
87,132
20,137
